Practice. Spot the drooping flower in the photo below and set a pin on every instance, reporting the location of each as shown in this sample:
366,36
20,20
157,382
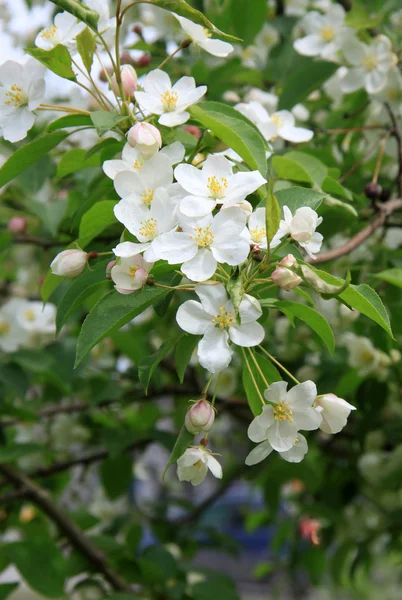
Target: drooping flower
214,317
170,102
131,273
214,184
139,185
193,466
295,454
326,34
132,159
69,263
22,89
287,413
202,38
302,228
65,29
334,411
205,242
200,417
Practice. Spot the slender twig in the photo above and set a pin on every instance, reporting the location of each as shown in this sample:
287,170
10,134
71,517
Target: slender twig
252,377
362,159
257,366
351,129
398,136
278,364
184,44
379,160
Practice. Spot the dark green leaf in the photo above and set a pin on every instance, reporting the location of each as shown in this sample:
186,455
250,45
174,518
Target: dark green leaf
12,453
184,351
104,120
147,366
295,197
6,589
184,440
70,121
248,27
97,219
75,160
57,60
301,81
116,475
272,213
393,276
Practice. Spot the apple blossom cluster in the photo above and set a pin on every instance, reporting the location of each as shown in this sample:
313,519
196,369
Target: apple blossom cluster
25,323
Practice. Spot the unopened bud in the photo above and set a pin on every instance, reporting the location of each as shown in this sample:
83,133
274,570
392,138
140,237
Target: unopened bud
194,130
69,263
289,261
146,138
186,43
309,529
144,61
109,266
104,76
373,191
129,80
285,278
17,225
137,29
200,417
126,59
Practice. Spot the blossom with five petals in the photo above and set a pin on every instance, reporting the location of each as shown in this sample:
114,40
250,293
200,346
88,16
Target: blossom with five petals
302,228
139,185
193,466
202,38
64,30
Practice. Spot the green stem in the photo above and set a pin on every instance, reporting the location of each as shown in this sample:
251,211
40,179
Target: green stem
205,390
184,44
257,366
280,365
252,377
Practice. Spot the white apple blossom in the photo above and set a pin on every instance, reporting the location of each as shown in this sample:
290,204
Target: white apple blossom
270,101
35,317
22,89
365,358
202,38
106,24
12,334
325,34
287,413
130,274
132,159
334,411
215,319
214,184
193,465
255,232
63,31
139,185
146,224
169,102
279,124
204,242
370,65
294,455
302,228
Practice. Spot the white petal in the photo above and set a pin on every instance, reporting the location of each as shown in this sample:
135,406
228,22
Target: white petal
233,251
192,318
175,152
243,184
127,249
295,134
157,82
257,430
298,451
303,394
197,206
217,48
247,335
175,247
311,45
282,435
214,353
259,454
191,179
249,309
201,267
352,81
171,119
307,419
276,392
214,466
212,297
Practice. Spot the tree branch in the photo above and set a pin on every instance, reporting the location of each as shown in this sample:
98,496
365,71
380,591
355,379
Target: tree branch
66,526
398,136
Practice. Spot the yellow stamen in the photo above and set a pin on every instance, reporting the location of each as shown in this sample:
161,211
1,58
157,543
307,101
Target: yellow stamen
282,412
16,97
138,164
224,318
203,236
49,32
132,270
279,121
199,464
29,315
328,33
149,228
4,328
258,234
369,62
207,33
217,187
169,100
147,196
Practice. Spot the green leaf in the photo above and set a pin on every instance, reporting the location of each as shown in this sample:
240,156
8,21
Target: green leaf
184,351
83,13
75,160
295,197
112,312
235,131
272,213
360,18
29,154
247,28
116,475
104,120
6,589
97,219
312,318
57,60
270,373
70,121
86,47
316,169
289,169
12,453
14,377
184,440
333,187
147,366
82,287
301,81
393,276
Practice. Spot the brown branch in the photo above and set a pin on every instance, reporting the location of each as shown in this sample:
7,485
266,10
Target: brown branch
398,136
67,527
384,210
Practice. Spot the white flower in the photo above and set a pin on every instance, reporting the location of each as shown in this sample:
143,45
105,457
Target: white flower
131,273
302,228
69,263
160,98
64,30
193,466
12,334
22,89
255,232
37,318
215,318
295,454
145,224
202,38
279,124
334,412
289,412
326,34
139,185
106,24
205,242
364,357
214,184
133,160
370,65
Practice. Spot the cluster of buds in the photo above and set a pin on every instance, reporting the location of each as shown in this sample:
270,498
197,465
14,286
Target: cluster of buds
284,277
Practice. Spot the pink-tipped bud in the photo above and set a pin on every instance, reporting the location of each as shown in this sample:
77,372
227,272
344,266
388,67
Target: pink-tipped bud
309,529
285,278
200,417
69,263
146,138
194,130
109,267
129,80
17,225
144,61
289,261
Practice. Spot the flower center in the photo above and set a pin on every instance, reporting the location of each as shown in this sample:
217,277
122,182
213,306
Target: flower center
132,270
16,97
29,315
207,33
328,33
169,100
217,187
369,62
282,412
203,236
138,164
147,196
258,234
149,229
198,464
224,318
279,121
49,33
367,356
4,328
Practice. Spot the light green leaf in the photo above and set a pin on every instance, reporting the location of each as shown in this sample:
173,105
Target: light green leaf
104,120
184,440
393,276
286,168
295,197
239,135
86,47
184,351
339,205
70,121
57,60
75,160
112,312
27,155
316,169
147,366
272,213
333,187
360,18
97,218
301,81
271,374
83,13
248,27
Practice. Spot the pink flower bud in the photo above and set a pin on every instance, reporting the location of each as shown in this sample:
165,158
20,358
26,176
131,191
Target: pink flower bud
129,80
309,529
194,130
17,225
146,138
289,261
109,267
144,61
285,278
141,275
69,263
200,417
